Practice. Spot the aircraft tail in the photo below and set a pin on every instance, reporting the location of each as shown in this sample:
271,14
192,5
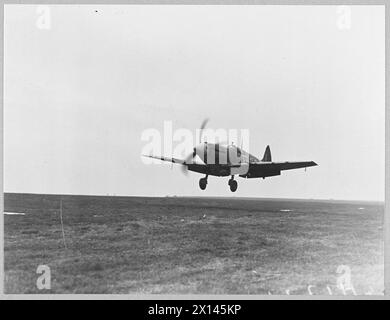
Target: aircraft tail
267,155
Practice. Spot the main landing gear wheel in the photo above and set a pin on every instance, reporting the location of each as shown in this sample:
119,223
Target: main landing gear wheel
203,183
233,185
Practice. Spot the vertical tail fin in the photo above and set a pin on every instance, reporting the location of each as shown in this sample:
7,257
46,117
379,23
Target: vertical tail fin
267,155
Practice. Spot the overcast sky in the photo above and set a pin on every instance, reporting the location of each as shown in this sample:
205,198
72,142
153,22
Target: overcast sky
81,87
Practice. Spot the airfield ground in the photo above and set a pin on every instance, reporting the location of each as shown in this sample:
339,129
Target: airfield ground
192,245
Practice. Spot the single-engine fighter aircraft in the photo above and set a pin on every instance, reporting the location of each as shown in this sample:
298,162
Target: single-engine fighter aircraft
223,164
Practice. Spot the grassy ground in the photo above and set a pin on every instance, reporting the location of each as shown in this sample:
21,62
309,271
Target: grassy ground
192,245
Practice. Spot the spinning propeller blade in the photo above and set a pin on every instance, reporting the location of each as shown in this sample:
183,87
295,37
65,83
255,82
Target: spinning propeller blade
192,155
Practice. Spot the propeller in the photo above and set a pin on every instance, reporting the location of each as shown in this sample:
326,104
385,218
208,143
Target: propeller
192,155
202,126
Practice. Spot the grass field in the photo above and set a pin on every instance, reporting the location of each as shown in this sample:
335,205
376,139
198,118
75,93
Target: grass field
192,245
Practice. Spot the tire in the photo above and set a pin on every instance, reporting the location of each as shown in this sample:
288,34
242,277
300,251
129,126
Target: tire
233,185
202,184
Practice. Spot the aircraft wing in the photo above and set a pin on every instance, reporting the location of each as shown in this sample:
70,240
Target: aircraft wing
288,165
268,169
197,167
174,160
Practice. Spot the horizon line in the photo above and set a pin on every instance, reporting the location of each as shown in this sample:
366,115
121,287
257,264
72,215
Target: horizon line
191,196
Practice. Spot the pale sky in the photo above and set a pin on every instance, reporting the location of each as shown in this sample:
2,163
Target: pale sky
78,95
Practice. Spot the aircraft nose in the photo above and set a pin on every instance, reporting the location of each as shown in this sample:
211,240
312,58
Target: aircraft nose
198,150
201,150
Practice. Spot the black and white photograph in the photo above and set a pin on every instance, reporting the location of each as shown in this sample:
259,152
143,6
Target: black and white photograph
180,150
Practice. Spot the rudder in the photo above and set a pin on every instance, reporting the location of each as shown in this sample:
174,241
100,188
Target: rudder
267,155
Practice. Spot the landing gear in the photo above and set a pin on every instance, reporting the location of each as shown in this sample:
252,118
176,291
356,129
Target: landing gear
233,184
203,183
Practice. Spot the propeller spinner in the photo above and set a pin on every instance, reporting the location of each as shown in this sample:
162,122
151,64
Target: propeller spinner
199,148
